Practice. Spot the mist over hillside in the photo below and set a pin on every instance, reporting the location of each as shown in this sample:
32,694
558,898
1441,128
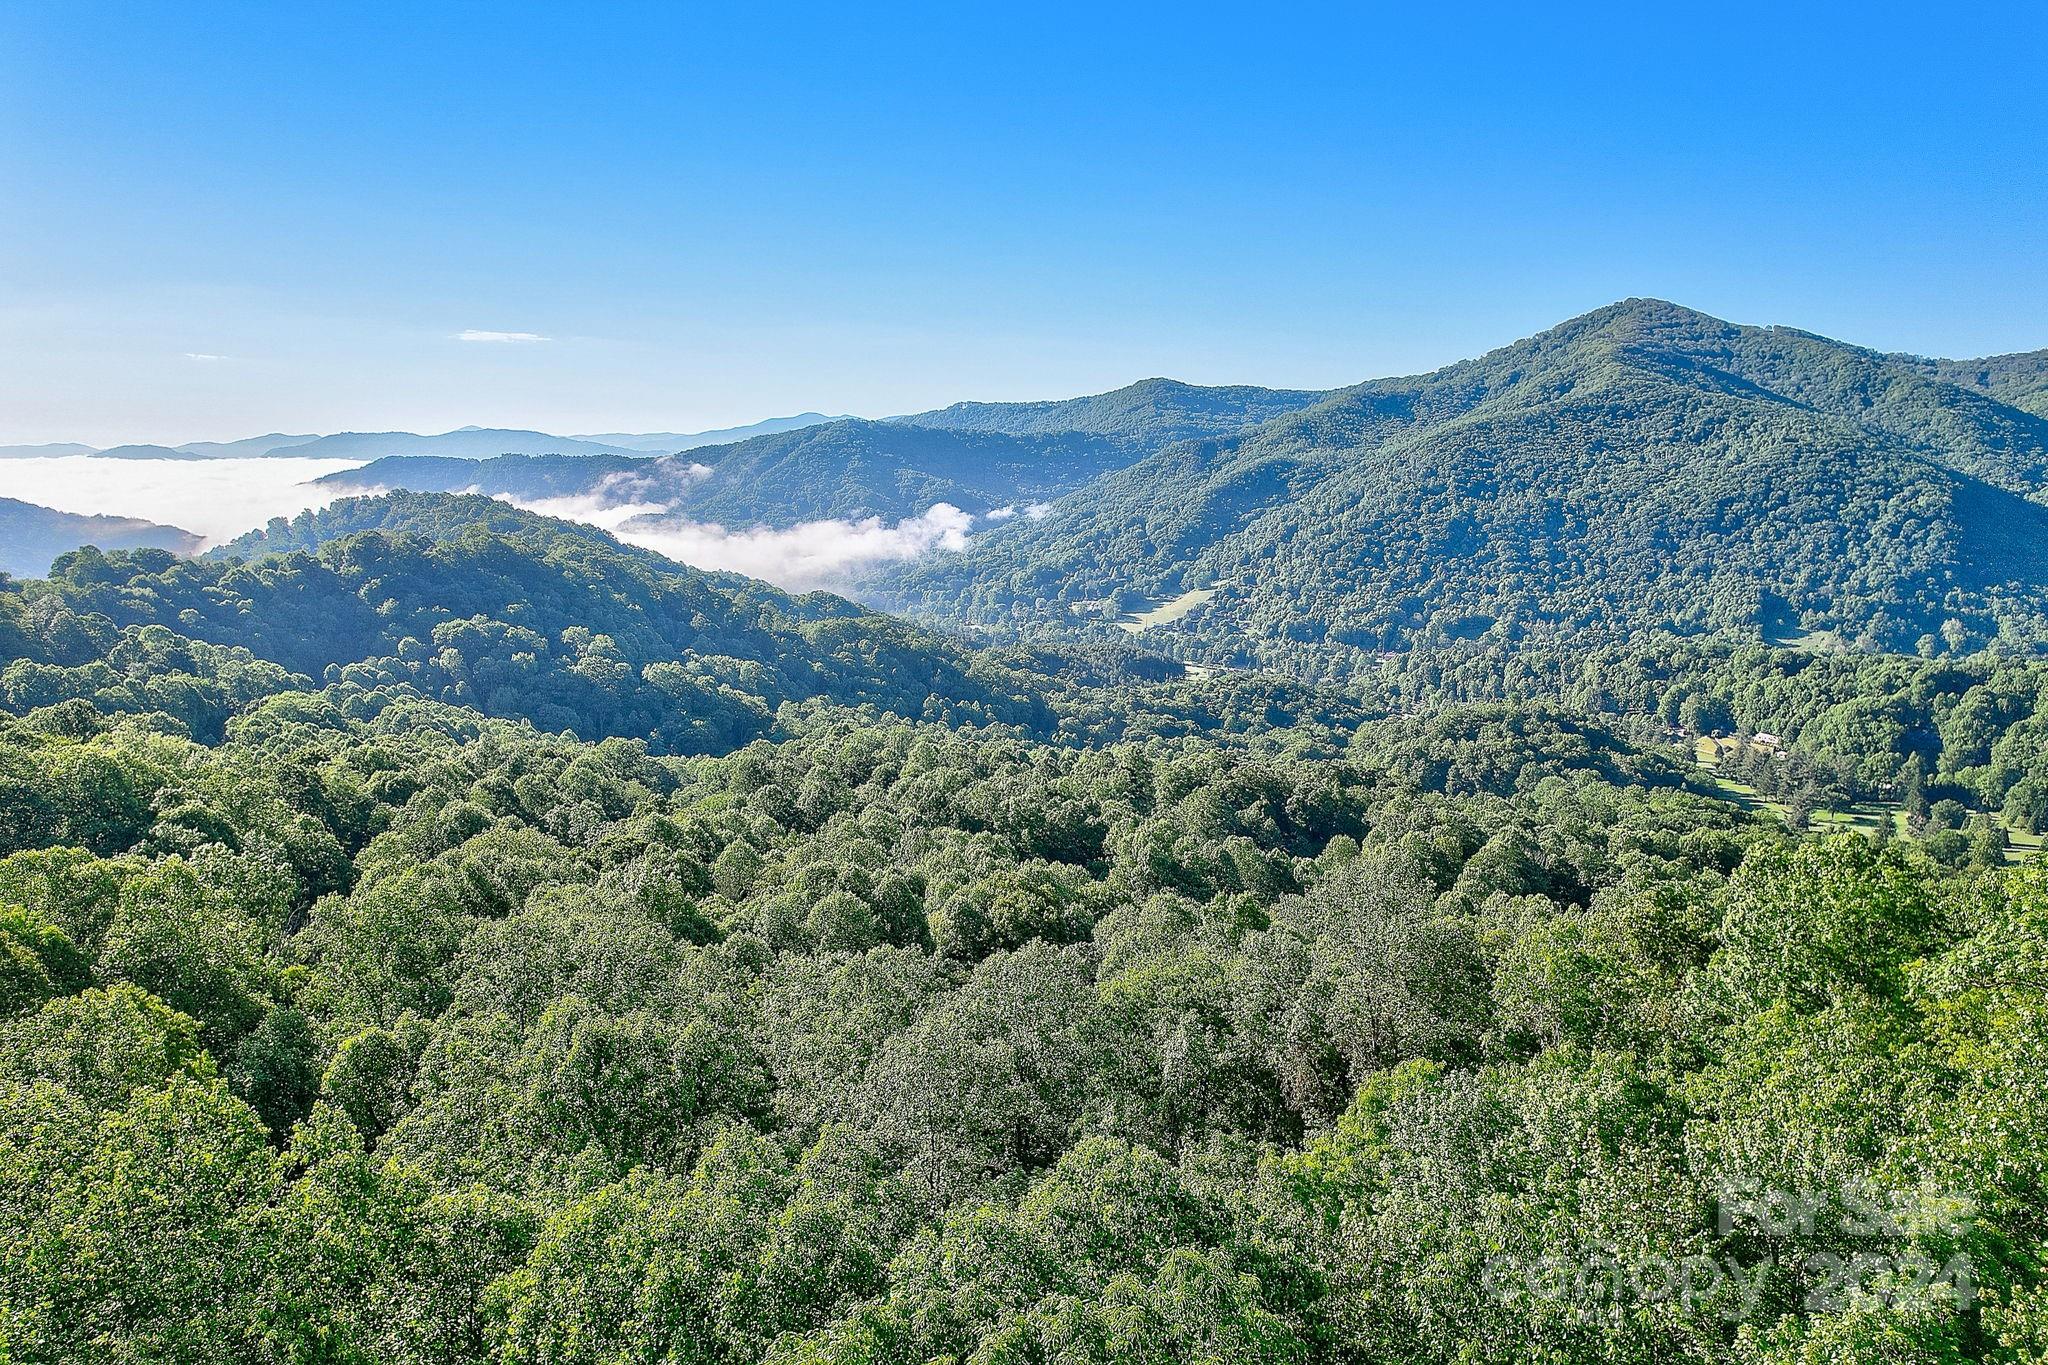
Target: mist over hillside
31,537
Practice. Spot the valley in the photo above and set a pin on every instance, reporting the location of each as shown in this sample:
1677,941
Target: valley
1023,685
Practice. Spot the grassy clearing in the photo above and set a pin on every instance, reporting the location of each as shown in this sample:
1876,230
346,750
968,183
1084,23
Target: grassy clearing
1708,756
1865,817
1167,612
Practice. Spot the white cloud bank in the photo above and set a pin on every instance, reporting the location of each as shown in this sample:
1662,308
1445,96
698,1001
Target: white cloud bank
218,499
511,338
592,509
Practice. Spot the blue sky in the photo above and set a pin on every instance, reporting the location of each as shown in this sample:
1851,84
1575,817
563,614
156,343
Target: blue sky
223,219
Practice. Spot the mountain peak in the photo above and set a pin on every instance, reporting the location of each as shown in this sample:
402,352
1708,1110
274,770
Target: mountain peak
1642,314
1642,466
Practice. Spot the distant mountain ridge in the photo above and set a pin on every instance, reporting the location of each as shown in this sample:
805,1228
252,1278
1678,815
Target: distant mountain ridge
32,537
468,441
669,442
848,468
275,443
145,452
980,457
46,451
1145,415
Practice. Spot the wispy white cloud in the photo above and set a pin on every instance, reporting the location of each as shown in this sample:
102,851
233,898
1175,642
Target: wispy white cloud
593,509
515,338
814,554
1034,511
203,355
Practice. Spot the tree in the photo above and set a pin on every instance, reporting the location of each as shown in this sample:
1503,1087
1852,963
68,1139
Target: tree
1811,923
140,1241
277,1069
105,1045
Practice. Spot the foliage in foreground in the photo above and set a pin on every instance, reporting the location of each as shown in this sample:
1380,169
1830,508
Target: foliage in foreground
379,1030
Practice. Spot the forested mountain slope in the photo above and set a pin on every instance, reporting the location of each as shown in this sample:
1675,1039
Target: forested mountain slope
859,468
1641,467
431,514
527,477
2020,379
471,601
134,635
1925,408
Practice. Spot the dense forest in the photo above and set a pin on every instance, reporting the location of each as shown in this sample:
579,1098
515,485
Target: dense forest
433,932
